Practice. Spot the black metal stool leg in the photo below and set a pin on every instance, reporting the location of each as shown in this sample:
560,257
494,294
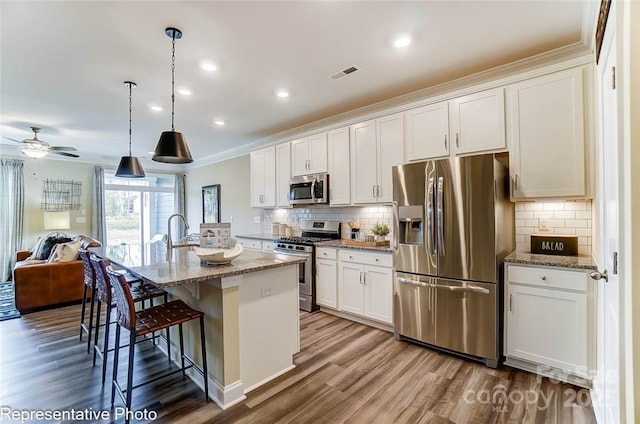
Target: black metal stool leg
95,341
116,355
204,360
169,345
181,349
105,346
93,301
132,345
84,308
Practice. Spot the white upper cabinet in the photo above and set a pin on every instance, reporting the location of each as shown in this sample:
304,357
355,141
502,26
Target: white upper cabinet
309,155
477,122
263,178
363,162
339,167
427,131
461,126
546,131
283,174
390,153
376,146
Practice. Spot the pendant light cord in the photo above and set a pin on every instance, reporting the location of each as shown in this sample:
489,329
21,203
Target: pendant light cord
173,82
130,88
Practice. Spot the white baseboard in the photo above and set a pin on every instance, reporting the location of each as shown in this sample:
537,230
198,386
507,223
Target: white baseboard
358,319
268,379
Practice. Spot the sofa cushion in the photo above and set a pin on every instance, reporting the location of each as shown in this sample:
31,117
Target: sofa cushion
48,244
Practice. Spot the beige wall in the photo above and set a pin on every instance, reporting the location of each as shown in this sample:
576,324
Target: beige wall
36,171
233,175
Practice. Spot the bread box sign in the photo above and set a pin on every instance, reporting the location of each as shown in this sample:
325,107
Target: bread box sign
554,244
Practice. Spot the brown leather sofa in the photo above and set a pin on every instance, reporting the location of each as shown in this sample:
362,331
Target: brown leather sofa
41,285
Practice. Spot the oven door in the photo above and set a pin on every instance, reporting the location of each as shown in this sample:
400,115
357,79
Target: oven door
305,278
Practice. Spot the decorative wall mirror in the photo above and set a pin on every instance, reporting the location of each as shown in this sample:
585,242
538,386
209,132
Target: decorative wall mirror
211,203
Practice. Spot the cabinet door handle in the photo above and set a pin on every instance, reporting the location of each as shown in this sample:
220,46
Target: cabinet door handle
517,182
445,141
544,278
365,278
457,140
511,302
378,190
373,190
360,277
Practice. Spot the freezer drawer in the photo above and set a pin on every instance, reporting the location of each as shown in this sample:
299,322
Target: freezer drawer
413,307
467,317
459,316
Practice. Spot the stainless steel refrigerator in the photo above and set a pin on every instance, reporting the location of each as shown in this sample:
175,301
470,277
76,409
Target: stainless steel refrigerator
453,226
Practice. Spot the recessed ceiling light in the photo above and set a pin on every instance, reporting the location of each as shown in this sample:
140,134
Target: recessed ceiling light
184,91
208,66
402,41
219,122
282,93
155,108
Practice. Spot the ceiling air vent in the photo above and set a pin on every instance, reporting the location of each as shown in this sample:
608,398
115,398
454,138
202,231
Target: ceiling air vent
345,72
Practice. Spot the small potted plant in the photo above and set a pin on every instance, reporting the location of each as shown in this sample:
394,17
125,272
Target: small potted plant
380,230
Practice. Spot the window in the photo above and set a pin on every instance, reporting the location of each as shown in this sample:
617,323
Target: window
136,213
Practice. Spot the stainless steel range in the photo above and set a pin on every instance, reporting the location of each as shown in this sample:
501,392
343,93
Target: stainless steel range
312,232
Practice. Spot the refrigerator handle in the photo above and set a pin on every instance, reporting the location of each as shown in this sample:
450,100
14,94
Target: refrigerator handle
395,235
430,236
440,207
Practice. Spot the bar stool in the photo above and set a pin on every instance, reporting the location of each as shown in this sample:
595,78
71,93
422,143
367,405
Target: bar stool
144,322
104,291
90,283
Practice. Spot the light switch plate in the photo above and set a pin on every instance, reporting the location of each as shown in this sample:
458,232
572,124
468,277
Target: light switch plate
544,224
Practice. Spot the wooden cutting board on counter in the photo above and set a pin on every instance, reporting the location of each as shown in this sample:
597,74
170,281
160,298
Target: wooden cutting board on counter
361,243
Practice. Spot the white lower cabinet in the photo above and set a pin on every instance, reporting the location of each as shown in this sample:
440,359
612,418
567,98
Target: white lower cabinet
326,277
550,322
365,289
249,243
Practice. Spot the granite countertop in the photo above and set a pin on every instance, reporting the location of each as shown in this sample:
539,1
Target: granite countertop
580,262
186,268
342,245
261,236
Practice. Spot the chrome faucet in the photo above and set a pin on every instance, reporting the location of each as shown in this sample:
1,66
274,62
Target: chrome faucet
169,242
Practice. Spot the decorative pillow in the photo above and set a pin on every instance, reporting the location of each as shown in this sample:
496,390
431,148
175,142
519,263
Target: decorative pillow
67,252
48,244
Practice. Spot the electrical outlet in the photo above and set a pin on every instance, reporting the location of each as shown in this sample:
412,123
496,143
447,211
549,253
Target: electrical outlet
256,219
81,220
266,291
544,224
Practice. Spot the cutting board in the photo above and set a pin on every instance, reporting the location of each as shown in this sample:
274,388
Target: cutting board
382,243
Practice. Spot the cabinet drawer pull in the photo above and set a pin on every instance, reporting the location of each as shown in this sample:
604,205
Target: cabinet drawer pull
445,141
511,302
457,140
544,278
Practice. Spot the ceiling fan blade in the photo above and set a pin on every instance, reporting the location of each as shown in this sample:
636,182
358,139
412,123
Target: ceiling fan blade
12,139
63,148
71,155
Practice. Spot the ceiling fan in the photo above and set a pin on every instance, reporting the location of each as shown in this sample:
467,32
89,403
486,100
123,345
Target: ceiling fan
38,149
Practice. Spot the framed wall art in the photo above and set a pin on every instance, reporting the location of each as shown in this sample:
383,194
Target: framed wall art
211,203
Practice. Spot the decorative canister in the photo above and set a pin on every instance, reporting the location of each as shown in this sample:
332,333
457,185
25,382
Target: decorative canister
275,229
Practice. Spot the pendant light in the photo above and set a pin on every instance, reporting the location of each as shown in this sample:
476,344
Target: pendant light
172,146
129,166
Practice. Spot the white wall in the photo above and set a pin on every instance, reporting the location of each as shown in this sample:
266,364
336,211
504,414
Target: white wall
233,175
36,171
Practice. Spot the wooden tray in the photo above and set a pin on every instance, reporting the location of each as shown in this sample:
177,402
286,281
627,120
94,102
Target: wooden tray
350,242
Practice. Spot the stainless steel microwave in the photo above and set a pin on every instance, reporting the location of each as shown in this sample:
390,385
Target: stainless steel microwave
309,189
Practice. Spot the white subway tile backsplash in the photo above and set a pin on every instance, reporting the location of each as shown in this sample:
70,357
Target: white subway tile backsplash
583,214
564,214
563,217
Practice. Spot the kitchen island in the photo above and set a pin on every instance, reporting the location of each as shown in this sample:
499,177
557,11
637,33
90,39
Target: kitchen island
251,316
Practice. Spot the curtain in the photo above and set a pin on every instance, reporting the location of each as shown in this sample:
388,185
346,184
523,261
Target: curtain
98,219
179,201
11,213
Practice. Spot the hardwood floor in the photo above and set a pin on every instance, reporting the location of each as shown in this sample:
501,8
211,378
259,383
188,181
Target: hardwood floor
345,373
